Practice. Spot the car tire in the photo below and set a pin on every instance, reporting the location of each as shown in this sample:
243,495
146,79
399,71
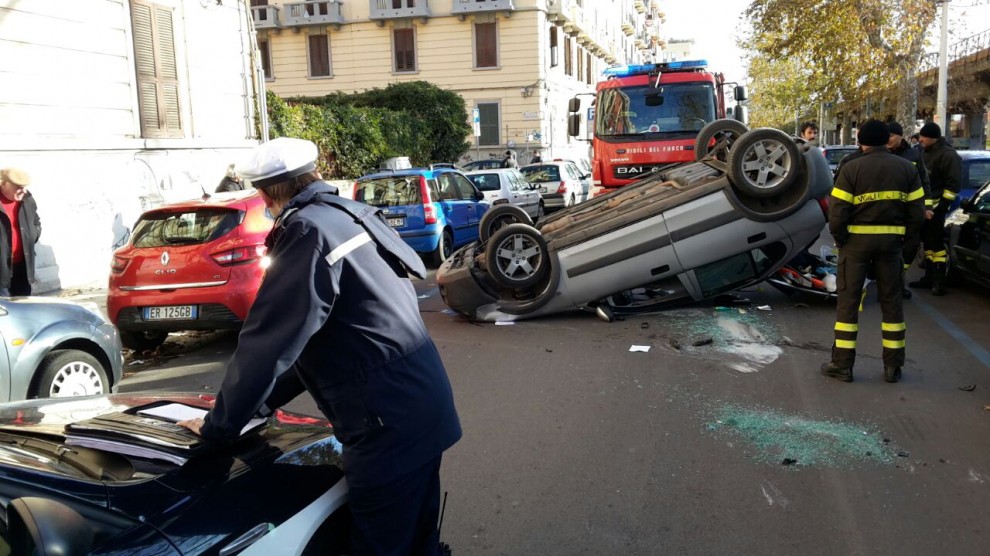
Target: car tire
69,372
516,256
500,217
764,163
725,132
142,340
541,212
445,247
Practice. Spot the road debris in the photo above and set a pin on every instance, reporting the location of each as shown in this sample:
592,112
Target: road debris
643,349
704,342
968,388
764,308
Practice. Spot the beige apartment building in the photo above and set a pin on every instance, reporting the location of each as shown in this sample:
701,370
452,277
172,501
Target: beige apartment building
516,63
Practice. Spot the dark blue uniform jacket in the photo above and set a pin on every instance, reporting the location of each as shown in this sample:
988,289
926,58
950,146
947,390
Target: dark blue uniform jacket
337,315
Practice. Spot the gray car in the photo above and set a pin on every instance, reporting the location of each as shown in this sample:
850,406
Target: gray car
56,348
687,233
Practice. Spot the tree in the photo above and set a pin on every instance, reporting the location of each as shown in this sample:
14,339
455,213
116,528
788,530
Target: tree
851,49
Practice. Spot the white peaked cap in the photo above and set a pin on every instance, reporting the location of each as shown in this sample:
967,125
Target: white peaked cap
278,160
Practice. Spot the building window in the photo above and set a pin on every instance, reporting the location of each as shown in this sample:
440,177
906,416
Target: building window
580,64
400,4
157,74
488,114
404,49
588,68
568,68
319,56
485,45
264,50
553,47
261,14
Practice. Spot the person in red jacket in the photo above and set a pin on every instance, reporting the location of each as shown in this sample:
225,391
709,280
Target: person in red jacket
20,229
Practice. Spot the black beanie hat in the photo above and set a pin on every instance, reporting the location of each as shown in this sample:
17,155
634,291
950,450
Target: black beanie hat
873,133
895,128
931,130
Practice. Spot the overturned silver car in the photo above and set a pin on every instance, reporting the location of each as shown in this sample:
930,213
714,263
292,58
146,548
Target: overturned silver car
753,200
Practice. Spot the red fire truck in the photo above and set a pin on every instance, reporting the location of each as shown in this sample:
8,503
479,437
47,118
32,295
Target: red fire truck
647,116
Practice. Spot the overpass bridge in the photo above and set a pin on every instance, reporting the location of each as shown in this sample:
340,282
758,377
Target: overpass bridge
968,87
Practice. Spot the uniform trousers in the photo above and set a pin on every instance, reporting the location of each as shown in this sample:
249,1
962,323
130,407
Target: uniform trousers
398,518
933,240
19,284
878,255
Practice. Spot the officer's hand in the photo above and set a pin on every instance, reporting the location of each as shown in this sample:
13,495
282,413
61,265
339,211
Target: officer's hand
192,424
929,214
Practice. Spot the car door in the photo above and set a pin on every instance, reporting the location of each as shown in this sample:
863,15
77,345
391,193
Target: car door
523,194
575,185
979,219
469,212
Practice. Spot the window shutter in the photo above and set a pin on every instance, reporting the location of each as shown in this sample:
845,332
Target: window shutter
486,53
488,116
319,56
157,71
405,50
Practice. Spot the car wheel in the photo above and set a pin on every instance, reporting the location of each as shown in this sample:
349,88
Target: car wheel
500,217
725,132
573,201
141,340
764,162
444,247
70,372
516,256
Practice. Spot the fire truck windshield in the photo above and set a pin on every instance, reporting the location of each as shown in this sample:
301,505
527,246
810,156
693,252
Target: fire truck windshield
671,109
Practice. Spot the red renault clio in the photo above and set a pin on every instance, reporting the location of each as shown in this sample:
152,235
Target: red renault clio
191,265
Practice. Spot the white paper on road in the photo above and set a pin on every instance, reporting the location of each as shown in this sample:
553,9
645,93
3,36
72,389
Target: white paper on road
634,347
504,323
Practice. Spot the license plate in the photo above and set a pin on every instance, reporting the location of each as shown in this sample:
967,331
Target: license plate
546,189
397,222
170,312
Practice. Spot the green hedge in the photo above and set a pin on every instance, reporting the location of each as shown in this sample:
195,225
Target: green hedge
356,132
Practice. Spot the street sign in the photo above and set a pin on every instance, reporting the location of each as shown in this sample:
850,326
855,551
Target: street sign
476,122
591,113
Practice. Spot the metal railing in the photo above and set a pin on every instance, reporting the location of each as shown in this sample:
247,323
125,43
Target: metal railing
957,50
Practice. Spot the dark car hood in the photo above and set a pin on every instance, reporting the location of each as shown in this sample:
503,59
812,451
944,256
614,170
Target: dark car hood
152,488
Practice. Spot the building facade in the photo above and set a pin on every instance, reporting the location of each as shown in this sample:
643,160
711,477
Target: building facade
516,63
115,106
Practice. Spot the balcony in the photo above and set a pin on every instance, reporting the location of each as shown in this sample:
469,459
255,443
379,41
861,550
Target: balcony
559,10
313,12
629,25
265,17
462,7
396,9
639,6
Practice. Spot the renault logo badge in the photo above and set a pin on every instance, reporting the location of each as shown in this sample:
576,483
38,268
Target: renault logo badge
165,258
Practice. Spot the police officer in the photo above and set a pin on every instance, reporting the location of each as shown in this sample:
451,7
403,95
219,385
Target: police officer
876,206
945,171
337,315
903,149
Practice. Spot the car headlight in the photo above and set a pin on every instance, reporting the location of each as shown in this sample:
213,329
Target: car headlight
957,217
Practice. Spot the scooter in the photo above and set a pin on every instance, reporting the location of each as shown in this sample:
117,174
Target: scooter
808,273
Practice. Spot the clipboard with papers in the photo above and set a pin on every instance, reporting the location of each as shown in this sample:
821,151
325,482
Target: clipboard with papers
149,432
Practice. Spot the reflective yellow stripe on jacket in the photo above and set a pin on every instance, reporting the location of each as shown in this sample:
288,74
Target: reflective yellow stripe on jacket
878,196
878,229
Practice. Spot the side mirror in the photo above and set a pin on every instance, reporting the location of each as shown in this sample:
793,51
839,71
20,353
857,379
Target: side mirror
43,526
574,124
478,195
574,104
740,93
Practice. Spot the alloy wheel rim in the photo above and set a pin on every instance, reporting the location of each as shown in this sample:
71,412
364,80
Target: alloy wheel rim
766,164
518,256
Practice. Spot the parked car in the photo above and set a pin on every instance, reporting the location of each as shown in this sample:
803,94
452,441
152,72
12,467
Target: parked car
559,181
278,492
976,172
190,265
509,186
968,238
835,153
489,164
434,210
584,168
686,233
56,348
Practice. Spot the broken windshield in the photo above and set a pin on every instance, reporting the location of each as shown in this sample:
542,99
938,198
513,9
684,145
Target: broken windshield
643,110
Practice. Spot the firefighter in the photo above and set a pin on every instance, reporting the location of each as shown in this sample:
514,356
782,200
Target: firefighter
876,211
903,149
945,172
336,315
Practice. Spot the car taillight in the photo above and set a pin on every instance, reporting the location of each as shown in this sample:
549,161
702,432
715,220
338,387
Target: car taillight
563,188
429,211
240,255
354,191
823,202
118,265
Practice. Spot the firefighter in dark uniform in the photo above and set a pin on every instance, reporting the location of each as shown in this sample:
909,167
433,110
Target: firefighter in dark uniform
903,149
876,206
945,171
337,315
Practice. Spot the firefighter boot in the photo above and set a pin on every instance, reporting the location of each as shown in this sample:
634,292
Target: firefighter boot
938,279
839,373
926,281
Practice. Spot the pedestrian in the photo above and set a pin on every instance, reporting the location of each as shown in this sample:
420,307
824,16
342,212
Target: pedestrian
510,160
336,315
876,206
231,181
901,148
537,159
809,132
915,141
945,175
19,233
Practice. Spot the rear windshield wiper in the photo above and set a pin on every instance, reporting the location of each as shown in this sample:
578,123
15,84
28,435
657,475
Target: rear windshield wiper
177,240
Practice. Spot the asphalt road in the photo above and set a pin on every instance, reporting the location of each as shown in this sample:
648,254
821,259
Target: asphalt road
573,444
